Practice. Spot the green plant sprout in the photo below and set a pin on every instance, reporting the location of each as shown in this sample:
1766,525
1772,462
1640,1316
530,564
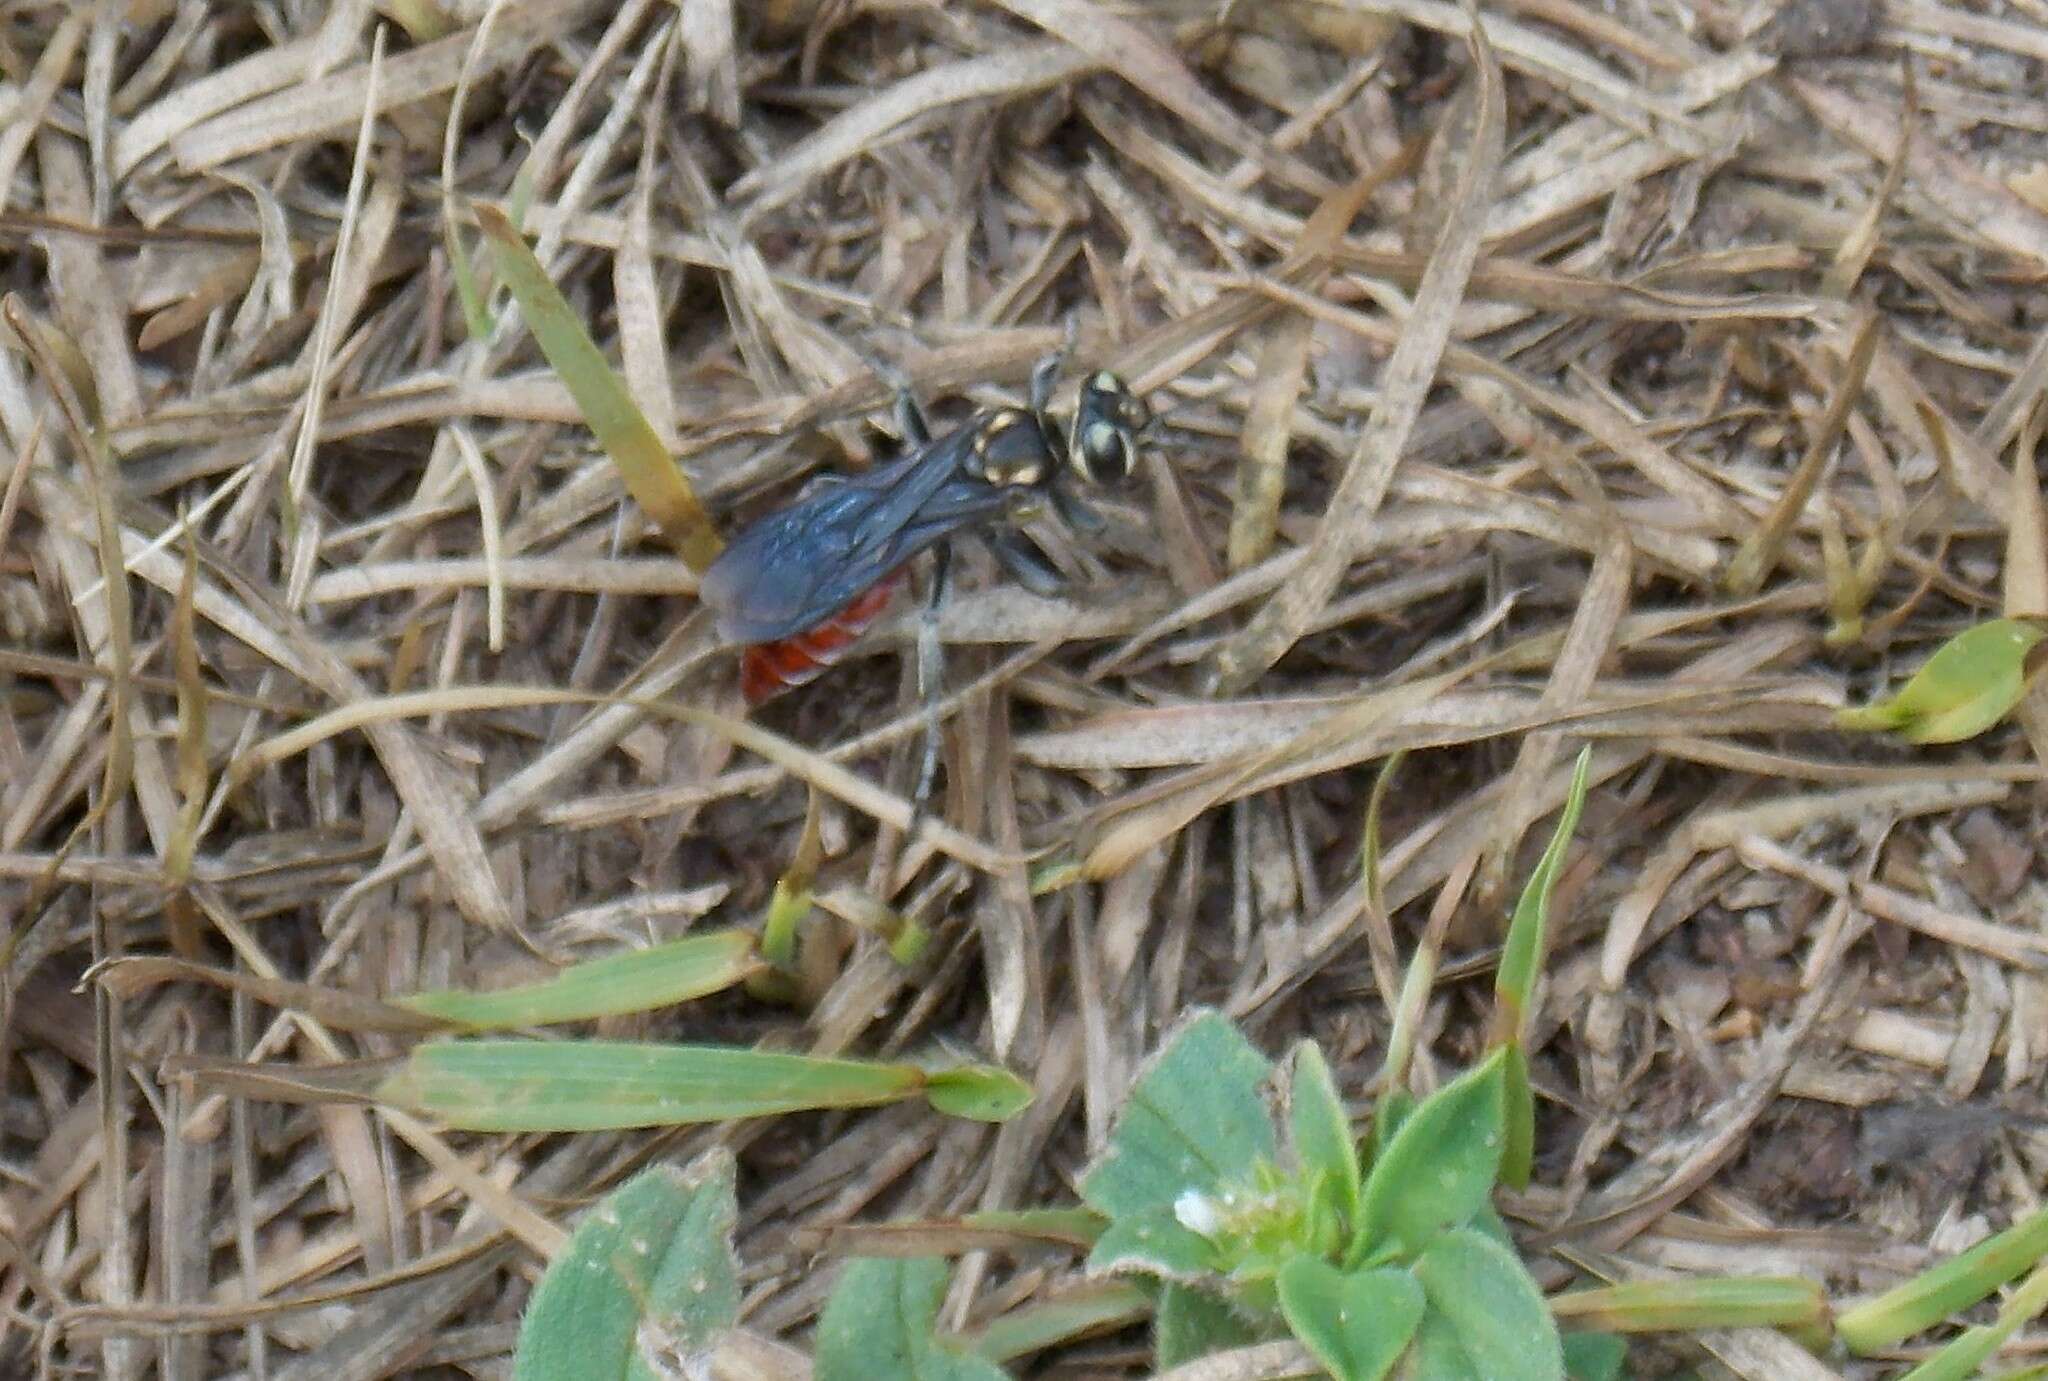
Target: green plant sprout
1972,682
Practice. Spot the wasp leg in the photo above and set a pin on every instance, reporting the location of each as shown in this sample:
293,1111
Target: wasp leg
930,672
1077,513
1047,371
911,422
1026,564
910,418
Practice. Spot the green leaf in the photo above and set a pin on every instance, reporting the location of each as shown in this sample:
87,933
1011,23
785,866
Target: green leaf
1491,1304
1069,1316
636,981
1489,1222
1699,1302
1321,1129
1946,1290
646,1281
1594,1356
980,1093
790,904
1194,1121
1155,1241
1358,1323
649,473
1439,1168
476,315
1960,1357
568,1086
1369,834
1521,957
1518,1118
1394,1107
1439,1355
1514,983
1970,683
879,1322
1192,1323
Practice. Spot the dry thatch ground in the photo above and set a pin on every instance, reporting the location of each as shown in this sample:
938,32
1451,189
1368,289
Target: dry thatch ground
1702,421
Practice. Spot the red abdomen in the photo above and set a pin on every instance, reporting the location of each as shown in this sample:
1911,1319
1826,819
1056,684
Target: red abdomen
768,669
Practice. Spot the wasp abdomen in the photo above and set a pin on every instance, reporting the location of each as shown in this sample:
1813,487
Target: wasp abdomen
768,669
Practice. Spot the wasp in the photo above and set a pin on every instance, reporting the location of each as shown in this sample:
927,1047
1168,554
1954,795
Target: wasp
797,588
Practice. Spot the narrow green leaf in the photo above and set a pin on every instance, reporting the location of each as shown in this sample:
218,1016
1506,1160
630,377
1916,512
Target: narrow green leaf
648,1279
1194,1121
1663,1306
1358,1323
1939,1294
1439,1168
650,474
1369,840
1514,985
1417,982
1518,1118
563,1086
1493,1306
981,1093
1321,1129
1394,1107
879,1322
1970,683
1961,1357
638,980
1521,958
1067,1317
790,903
476,316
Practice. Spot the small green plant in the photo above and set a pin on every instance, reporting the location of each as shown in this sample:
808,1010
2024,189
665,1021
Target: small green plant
1366,1256
1376,1252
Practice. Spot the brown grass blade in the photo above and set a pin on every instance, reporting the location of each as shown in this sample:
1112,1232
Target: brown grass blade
1404,383
1761,549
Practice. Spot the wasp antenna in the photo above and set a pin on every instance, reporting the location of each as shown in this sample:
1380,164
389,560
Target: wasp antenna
1043,376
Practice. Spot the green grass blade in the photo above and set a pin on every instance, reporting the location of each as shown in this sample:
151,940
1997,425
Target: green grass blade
637,981
1659,1306
1945,1291
1522,956
567,1086
650,473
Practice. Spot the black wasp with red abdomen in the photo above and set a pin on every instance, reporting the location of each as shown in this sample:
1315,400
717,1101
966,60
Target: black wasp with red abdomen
797,588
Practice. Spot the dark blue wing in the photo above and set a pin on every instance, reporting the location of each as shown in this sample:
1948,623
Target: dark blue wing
801,564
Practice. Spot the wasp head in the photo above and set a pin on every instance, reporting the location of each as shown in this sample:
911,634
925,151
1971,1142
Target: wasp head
1102,445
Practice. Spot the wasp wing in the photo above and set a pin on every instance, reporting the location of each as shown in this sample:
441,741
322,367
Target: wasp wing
801,564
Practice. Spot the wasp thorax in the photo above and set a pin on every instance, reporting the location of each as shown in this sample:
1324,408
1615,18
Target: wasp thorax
1010,449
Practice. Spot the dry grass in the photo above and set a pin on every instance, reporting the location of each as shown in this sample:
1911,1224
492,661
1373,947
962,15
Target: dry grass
1662,378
